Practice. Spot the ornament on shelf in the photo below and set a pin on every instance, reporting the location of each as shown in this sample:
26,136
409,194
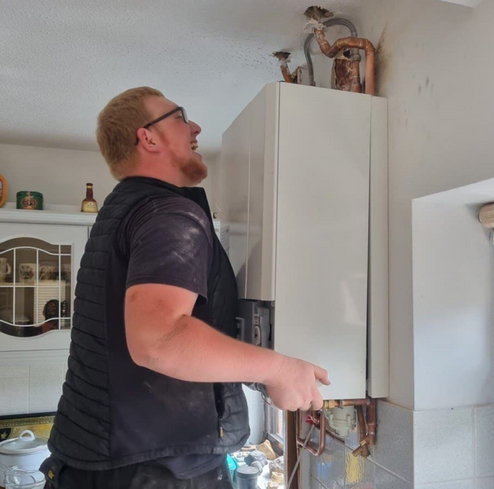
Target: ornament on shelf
30,200
3,190
89,204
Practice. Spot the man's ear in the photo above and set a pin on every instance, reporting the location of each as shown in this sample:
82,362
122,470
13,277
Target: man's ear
147,140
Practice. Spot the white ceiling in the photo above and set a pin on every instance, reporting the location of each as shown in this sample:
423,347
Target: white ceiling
61,61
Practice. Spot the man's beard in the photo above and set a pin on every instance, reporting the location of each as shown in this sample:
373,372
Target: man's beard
194,170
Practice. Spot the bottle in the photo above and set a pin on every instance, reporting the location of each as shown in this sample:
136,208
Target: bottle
89,204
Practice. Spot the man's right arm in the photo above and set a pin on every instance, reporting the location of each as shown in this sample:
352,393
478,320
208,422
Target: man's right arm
164,337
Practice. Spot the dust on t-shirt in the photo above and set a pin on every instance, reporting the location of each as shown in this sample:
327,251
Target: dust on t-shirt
169,241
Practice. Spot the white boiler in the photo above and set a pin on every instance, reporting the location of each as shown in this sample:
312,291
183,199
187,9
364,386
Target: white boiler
304,196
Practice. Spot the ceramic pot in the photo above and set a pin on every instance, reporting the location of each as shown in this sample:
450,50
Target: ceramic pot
26,453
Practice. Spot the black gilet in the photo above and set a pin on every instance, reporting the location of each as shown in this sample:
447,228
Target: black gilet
114,413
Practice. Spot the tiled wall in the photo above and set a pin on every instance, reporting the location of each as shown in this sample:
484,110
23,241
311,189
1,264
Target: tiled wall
337,468
31,388
437,449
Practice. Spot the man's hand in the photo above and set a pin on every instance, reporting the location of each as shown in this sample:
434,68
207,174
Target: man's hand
294,385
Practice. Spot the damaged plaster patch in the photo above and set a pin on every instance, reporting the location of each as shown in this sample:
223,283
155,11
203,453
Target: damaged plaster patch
316,16
283,57
318,13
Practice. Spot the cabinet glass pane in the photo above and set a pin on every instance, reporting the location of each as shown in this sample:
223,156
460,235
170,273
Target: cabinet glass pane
6,270
35,286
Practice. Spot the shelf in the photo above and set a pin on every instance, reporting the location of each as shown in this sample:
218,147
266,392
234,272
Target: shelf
45,284
52,214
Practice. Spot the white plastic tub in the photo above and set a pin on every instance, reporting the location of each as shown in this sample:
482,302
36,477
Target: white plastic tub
26,453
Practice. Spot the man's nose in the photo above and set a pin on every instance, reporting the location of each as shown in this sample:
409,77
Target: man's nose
195,128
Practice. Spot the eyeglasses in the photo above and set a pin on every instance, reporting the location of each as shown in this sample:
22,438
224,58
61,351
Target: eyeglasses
168,114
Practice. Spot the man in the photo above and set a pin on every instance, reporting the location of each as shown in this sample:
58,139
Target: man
153,394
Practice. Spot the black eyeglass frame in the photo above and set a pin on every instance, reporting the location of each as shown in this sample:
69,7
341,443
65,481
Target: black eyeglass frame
168,114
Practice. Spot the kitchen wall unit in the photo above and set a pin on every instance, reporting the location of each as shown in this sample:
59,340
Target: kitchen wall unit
40,253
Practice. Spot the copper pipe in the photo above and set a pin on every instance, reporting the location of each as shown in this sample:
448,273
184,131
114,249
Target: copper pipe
344,403
371,422
327,23
346,74
363,449
319,422
361,423
355,43
367,431
283,58
354,402
291,451
287,76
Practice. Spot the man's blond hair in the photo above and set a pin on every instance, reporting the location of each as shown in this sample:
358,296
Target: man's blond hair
117,126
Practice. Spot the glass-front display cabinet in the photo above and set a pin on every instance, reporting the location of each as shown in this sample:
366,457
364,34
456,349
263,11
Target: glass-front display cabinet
38,267
35,283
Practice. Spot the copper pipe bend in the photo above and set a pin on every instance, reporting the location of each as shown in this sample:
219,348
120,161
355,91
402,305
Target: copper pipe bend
283,58
352,43
320,422
287,76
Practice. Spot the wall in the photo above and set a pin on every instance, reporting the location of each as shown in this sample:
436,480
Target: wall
61,175
31,385
434,61
453,287
440,131
440,449
337,468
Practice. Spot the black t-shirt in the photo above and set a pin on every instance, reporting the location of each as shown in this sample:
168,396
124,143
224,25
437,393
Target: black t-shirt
169,241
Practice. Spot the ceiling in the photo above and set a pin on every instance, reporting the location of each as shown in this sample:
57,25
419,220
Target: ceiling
61,61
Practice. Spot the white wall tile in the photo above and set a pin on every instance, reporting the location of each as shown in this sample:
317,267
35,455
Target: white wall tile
14,371
44,393
386,480
315,484
312,464
443,445
464,484
330,468
47,370
394,447
485,483
305,476
484,437
14,395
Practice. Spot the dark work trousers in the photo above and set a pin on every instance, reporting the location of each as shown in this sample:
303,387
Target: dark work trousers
139,476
